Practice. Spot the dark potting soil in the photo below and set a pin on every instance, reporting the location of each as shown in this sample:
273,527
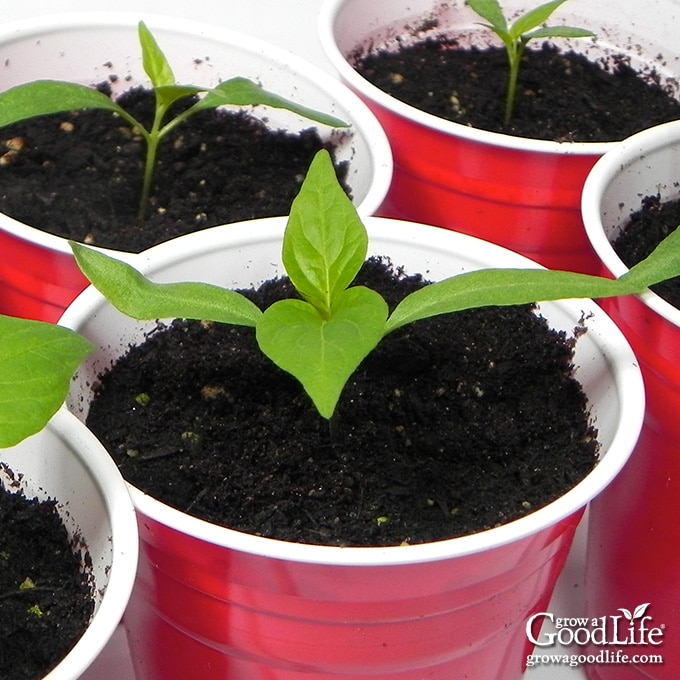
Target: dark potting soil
561,96
452,425
45,598
645,229
79,175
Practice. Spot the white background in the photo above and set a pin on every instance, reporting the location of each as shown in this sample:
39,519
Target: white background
290,24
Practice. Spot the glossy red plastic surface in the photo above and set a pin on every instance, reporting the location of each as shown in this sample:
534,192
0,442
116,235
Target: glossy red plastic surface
287,620
634,546
36,282
526,201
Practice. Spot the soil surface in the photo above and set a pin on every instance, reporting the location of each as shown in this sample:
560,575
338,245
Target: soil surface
561,96
644,231
452,425
79,175
45,599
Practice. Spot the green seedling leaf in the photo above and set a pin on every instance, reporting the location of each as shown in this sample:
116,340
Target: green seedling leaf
491,11
37,361
155,64
44,97
496,287
561,32
534,17
244,92
502,287
323,353
138,297
325,243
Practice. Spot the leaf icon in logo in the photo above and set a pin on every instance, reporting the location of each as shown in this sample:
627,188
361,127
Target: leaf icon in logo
640,610
637,614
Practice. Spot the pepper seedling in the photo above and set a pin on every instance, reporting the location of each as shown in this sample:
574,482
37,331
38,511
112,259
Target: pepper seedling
322,337
43,97
37,361
516,35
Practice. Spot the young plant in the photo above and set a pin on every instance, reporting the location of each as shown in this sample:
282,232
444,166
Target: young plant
37,361
323,337
516,35
44,97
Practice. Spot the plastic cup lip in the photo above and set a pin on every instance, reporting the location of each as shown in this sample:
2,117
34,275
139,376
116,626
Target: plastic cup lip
120,513
623,155
618,354
84,20
328,13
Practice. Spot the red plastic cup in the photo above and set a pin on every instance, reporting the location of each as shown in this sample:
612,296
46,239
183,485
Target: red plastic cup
211,602
38,276
633,547
523,194
201,609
